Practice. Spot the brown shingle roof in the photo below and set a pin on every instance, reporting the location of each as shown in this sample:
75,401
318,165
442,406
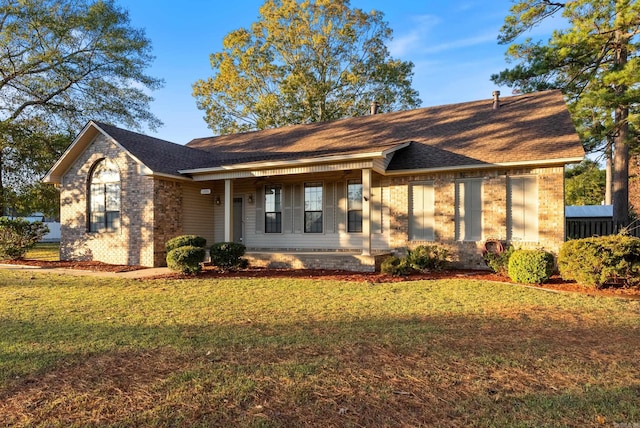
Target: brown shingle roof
531,127
159,155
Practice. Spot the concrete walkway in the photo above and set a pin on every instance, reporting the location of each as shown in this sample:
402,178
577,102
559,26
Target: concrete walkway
140,273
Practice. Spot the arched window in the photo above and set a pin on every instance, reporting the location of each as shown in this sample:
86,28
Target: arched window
104,197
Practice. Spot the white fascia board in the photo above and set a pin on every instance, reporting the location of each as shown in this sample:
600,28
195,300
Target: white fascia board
50,177
545,162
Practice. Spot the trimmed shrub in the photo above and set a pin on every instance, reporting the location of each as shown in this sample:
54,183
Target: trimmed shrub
184,241
395,266
600,261
228,255
428,257
186,259
499,262
18,236
531,266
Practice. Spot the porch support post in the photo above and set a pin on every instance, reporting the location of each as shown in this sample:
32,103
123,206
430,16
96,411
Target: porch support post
228,210
366,212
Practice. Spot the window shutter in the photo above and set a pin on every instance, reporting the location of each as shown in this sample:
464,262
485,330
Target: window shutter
341,206
459,211
298,212
376,209
516,211
475,199
259,204
287,212
329,209
421,212
522,215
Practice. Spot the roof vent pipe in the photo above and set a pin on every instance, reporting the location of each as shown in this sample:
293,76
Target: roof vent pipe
496,99
374,107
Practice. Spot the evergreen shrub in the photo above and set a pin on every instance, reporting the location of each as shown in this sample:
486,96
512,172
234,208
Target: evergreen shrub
17,236
428,258
186,259
396,266
185,240
531,266
601,261
228,255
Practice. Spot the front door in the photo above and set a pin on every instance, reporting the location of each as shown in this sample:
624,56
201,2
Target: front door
238,223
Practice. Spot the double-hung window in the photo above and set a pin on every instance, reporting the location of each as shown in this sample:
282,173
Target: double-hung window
104,197
354,206
273,209
313,207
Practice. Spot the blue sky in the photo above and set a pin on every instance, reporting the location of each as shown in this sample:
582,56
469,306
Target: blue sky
453,45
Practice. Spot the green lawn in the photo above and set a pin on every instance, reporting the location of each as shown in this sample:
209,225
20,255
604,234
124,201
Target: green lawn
78,351
47,251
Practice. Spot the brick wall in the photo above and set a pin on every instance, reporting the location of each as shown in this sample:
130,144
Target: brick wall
132,243
167,217
494,206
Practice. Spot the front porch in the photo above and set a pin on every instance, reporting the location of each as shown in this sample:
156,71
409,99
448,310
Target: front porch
330,260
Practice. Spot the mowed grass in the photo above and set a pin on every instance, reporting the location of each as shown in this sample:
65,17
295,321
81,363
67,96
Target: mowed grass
78,351
44,251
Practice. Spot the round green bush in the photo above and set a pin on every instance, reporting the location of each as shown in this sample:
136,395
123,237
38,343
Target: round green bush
531,266
602,260
395,266
184,241
228,255
186,259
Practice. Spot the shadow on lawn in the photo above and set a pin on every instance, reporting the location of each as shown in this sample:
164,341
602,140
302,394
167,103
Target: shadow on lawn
446,370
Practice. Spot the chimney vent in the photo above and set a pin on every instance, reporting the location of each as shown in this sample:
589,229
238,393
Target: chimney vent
374,107
496,100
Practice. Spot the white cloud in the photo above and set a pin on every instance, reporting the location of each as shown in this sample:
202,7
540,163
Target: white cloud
409,42
458,44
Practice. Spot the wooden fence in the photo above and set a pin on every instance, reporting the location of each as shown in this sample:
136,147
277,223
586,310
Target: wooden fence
585,228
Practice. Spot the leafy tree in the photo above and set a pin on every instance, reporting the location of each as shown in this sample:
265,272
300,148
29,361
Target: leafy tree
595,62
62,63
303,62
584,184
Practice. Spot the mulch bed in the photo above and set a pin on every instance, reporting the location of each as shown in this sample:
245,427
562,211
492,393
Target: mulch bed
89,265
555,283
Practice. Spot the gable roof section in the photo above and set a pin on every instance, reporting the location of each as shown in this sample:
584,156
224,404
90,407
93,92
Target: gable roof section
526,129
158,156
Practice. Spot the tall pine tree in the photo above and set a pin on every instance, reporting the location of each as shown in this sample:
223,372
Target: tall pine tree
594,60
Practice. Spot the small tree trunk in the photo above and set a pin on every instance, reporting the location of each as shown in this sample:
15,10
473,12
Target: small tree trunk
608,173
3,206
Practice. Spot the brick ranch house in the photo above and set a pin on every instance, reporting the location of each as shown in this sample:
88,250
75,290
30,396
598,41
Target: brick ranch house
326,195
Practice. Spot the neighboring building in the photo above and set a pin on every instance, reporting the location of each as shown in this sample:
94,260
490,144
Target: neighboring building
51,223
331,195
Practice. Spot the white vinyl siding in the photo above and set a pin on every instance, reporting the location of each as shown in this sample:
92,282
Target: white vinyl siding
421,211
522,213
469,210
